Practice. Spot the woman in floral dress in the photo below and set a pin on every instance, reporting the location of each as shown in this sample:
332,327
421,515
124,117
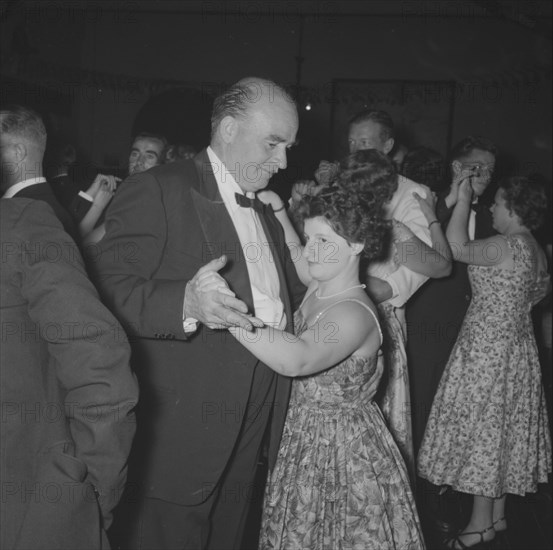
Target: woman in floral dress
488,433
339,481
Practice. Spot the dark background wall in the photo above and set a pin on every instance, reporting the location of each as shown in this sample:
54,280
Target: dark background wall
95,64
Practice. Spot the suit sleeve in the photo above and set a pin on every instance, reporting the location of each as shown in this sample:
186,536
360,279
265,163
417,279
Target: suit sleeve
126,260
79,206
403,281
88,351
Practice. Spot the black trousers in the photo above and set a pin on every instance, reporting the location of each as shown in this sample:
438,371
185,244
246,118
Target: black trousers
217,523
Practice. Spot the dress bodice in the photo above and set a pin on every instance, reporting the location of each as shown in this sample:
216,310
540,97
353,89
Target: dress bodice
344,385
506,295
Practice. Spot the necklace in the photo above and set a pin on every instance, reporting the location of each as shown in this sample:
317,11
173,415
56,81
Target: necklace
317,294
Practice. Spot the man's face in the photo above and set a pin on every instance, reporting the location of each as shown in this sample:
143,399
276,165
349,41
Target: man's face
145,154
367,135
260,143
480,165
9,165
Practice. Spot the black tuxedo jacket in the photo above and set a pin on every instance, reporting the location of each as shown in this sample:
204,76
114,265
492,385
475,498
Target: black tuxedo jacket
161,227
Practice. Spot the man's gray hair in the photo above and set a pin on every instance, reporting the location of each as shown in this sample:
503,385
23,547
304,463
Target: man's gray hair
23,122
236,100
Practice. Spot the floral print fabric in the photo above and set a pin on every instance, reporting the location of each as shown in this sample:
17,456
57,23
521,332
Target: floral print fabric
488,432
339,481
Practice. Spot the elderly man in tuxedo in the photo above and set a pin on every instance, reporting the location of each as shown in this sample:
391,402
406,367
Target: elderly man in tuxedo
189,250
67,390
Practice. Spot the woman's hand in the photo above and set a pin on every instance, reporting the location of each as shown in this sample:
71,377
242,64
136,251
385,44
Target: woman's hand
465,190
453,194
270,197
427,205
103,195
100,181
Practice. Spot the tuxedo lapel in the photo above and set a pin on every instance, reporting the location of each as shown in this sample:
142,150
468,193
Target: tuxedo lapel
219,232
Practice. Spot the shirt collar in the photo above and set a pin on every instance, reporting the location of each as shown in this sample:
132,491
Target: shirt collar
14,189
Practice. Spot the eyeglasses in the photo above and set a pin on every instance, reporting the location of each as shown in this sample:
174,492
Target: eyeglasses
479,167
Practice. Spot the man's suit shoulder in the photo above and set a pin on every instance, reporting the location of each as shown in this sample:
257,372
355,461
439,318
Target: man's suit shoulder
18,209
178,173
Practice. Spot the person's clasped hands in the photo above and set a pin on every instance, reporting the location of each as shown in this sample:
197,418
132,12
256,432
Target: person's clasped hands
209,299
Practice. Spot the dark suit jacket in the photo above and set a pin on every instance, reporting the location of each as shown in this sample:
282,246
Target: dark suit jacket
434,316
162,226
66,387
43,192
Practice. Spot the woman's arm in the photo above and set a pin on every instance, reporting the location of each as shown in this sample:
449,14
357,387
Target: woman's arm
491,251
95,235
341,332
105,187
292,239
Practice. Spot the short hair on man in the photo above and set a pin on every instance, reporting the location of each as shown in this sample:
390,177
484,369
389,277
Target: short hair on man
159,137
382,118
236,100
152,135
468,144
23,122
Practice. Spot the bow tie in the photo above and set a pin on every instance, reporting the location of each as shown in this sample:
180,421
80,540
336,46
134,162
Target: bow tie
246,202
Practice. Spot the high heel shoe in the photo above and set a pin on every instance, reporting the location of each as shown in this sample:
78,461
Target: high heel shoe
496,522
455,543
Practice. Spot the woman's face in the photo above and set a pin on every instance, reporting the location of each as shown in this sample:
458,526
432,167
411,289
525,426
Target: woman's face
326,252
501,215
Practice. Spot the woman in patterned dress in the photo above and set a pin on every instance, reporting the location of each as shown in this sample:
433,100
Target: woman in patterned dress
488,433
339,481
405,249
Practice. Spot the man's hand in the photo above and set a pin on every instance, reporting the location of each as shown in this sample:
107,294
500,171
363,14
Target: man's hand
378,289
326,172
209,299
109,182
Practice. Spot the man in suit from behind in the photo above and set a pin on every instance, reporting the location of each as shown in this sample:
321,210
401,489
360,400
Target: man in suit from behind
189,250
22,145
67,390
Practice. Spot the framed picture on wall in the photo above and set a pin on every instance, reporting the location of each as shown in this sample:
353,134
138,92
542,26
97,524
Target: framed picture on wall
422,110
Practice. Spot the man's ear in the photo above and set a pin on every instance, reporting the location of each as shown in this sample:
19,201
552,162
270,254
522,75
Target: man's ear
388,145
228,128
19,151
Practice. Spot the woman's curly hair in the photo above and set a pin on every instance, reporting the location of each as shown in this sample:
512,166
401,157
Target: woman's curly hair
354,204
526,197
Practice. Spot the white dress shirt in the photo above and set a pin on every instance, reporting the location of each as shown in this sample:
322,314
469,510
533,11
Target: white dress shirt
254,246
404,208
